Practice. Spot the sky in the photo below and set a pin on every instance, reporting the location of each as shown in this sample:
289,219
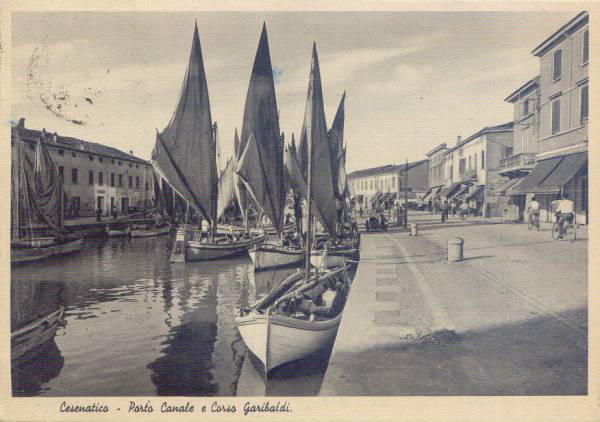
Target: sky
413,80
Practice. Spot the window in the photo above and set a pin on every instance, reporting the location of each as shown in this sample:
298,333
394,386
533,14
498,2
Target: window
112,180
61,172
130,165
73,155
130,180
482,159
100,178
393,183
526,107
91,177
556,116
118,162
525,137
469,163
583,110
137,182
100,159
557,65
137,166
586,46
146,185
112,161
451,168
461,166
120,180
61,151
91,157
475,162
74,176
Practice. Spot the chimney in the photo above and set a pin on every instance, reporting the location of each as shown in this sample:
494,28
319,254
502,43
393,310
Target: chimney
130,152
54,137
22,122
458,139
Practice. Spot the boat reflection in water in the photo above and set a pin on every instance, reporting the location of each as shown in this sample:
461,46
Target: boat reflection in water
36,315
137,325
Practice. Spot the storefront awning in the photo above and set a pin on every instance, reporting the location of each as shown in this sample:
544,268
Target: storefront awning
539,173
460,195
475,195
436,192
427,194
376,197
450,190
503,189
565,171
393,196
359,198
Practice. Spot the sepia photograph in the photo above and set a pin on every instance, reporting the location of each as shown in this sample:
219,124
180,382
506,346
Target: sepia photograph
297,204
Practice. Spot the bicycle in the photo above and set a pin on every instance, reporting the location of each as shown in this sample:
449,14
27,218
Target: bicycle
533,221
570,232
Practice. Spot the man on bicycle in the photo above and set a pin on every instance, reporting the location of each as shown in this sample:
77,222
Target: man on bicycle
533,210
565,211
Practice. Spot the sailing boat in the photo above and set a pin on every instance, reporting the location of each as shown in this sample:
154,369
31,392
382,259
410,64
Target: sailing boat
149,229
37,195
344,246
185,156
260,165
302,314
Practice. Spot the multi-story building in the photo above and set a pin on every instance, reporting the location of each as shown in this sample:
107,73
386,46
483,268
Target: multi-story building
384,184
561,156
437,171
512,169
94,175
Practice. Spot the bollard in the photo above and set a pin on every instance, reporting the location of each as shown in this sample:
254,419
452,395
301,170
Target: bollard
413,229
455,249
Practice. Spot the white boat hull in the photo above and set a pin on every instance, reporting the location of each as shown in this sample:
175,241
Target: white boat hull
268,257
19,255
157,231
198,250
276,340
29,337
332,259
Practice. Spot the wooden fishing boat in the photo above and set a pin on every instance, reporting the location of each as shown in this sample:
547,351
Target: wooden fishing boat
36,197
149,230
35,252
277,331
334,257
118,230
269,256
25,339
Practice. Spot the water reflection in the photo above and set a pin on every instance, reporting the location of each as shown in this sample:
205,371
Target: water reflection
136,325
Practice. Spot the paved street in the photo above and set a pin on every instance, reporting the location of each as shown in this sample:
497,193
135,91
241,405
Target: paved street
510,319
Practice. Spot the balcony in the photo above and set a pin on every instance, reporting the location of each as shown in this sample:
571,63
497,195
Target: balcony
469,176
517,165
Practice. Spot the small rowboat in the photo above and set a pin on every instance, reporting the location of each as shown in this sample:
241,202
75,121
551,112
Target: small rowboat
271,256
221,247
150,230
333,258
282,327
33,251
29,337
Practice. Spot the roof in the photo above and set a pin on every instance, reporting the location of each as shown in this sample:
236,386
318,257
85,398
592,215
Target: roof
523,89
436,149
561,34
75,144
389,168
504,127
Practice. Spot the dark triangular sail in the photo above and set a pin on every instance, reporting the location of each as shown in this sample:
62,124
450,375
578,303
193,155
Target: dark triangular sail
263,175
185,152
314,142
336,144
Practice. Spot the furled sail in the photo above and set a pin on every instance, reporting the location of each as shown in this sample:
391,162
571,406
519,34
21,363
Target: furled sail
314,142
336,145
226,188
185,152
261,161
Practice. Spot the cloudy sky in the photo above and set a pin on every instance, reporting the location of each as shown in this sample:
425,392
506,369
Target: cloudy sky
413,79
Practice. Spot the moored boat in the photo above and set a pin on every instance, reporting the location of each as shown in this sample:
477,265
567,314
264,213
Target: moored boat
20,253
269,256
149,230
334,257
26,339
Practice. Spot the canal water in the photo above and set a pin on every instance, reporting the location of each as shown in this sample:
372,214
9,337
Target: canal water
137,325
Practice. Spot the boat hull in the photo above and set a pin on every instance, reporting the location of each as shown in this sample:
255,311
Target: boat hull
21,255
158,231
199,251
332,258
33,335
276,340
272,257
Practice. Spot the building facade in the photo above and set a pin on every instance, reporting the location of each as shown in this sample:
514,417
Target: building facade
379,186
562,147
94,175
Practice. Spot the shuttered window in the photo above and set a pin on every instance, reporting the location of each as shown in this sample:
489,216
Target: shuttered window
556,116
584,104
557,64
482,159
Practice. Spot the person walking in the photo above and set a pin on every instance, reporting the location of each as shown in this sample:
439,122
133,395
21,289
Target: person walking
445,211
463,211
453,208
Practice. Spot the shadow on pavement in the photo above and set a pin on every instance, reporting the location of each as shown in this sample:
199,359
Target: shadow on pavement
537,356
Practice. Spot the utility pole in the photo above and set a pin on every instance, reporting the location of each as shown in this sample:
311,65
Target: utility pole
406,194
